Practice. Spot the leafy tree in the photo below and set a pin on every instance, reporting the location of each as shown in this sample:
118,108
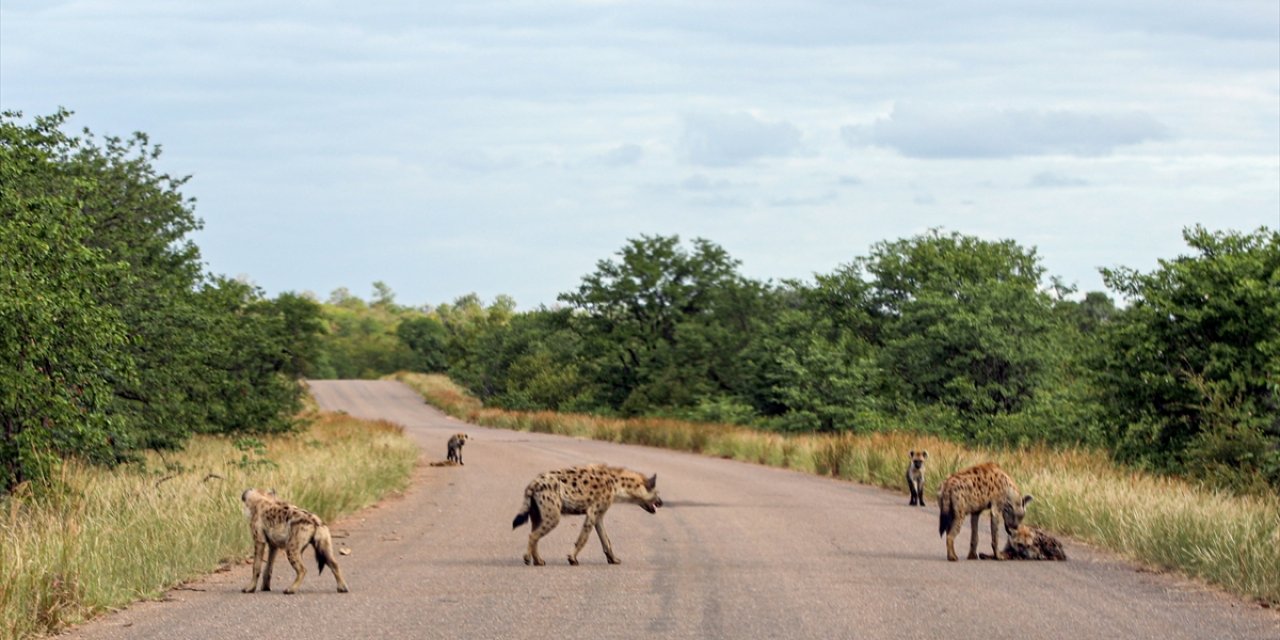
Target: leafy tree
663,325
118,339
425,338
61,349
964,322
1191,368
300,329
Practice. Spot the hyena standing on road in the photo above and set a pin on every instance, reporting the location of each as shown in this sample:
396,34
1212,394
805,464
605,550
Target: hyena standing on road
276,524
455,447
971,491
588,491
915,476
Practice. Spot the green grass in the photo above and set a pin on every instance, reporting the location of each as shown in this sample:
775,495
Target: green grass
105,538
1164,523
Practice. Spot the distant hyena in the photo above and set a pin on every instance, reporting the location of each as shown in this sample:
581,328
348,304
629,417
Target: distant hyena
455,448
588,491
915,476
972,491
1029,543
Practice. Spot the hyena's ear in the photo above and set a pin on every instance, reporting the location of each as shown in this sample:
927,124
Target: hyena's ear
651,482
1026,499
911,453
924,454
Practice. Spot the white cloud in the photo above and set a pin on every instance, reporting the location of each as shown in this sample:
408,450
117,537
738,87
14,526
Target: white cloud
1051,180
1004,133
736,138
622,155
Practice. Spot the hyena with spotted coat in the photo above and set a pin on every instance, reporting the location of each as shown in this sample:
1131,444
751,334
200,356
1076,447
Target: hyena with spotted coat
915,476
589,491
971,491
1029,543
275,524
455,447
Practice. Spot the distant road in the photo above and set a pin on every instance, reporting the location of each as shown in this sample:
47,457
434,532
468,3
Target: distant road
738,552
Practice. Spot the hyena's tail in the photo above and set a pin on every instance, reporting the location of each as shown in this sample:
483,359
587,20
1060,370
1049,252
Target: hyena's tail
324,547
946,512
529,511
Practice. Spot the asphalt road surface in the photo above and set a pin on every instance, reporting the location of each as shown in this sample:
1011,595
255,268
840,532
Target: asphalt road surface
738,551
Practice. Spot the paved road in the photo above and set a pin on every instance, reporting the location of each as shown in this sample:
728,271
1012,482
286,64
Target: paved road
739,551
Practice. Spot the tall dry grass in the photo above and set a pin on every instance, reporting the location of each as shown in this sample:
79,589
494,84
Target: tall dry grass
104,538
1165,523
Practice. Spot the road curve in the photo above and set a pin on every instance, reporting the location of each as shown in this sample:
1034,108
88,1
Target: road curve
739,551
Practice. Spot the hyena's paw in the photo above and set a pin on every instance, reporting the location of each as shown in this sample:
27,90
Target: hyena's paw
290,591
573,561
342,588
614,561
249,589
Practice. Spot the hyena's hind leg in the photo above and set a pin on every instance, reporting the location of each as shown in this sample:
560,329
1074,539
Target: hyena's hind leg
550,518
298,540
973,535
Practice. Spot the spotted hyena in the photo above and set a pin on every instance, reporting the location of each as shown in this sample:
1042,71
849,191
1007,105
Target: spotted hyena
455,448
971,491
915,476
1030,543
275,524
588,491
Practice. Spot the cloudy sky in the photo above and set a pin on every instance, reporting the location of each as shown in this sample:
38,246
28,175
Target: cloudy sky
506,147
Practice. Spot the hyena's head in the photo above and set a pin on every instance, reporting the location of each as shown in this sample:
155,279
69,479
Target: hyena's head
1023,536
461,438
918,458
1014,510
642,491
252,497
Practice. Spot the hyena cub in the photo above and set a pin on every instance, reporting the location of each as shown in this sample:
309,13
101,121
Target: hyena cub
275,524
1029,543
588,491
971,491
455,447
915,476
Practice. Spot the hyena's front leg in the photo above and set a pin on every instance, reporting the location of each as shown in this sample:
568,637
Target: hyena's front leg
266,571
587,524
995,535
973,535
258,551
604,541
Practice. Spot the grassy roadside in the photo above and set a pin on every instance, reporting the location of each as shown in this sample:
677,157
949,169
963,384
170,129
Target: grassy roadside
1168,524
109,537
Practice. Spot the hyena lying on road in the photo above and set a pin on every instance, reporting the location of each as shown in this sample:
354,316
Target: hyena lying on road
1029,543
588,491
276,524
455,447
915,476
971,491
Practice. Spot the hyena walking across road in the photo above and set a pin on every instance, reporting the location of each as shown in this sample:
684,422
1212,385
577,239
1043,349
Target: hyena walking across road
276,524
588,491
971,491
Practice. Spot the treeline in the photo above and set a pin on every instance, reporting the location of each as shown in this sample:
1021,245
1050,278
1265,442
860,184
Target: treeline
940,333
112,337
